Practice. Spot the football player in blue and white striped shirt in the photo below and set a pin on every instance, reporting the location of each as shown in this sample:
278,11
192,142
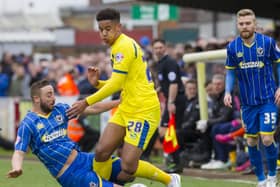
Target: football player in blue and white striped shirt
250,57
44,130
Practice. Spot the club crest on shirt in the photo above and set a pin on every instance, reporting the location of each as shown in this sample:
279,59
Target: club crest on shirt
239,54
40,126
260,51
59,119
92,184
119,57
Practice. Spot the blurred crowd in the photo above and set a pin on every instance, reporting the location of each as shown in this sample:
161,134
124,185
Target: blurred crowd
68,73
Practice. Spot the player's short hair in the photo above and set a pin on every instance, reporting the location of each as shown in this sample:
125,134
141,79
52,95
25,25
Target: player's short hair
160,40
108,14
36,86
245,12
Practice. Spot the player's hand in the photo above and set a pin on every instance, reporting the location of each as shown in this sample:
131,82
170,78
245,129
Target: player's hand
277,96
93,75
14,173
77,108
228,100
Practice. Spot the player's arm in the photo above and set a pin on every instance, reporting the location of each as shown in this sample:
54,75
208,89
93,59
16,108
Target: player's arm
17,161
114,84
230,77
21,145
101,107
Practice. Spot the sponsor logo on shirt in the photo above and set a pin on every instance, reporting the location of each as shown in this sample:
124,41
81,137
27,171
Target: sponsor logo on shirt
54,135
254,64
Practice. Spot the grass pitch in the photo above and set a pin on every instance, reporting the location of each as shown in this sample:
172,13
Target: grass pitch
36,175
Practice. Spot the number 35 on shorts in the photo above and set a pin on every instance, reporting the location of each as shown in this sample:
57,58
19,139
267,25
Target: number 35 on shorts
270,118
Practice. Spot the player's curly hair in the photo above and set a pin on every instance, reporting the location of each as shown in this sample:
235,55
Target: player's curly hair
108,14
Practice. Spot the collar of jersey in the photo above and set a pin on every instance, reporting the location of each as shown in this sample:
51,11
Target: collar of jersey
44,116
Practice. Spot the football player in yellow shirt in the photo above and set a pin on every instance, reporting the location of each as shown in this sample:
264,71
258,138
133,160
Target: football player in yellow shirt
138,113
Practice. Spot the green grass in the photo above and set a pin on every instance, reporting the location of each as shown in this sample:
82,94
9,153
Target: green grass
35,175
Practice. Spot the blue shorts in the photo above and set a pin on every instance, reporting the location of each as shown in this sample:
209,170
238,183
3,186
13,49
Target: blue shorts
259,119
80,173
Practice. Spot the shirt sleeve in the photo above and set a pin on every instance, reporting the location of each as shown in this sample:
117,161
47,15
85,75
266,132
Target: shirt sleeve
23,137
114,84
172,72
122,56
230,77
230,61
274,52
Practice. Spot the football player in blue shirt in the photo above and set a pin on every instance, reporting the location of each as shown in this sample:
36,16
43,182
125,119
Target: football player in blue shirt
250,57
44,130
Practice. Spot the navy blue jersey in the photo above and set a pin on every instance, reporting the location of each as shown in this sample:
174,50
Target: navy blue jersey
47,137
253,65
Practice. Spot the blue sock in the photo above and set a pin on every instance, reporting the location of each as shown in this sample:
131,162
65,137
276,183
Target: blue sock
256,161
271,153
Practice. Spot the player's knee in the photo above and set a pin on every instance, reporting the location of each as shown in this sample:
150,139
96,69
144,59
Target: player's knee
101,154
129,168
252,141
267,140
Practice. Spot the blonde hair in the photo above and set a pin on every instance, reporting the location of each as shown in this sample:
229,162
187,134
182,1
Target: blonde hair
245,12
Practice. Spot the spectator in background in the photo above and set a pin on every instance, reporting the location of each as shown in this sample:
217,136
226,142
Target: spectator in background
37,72
20,83
66,85
220,114
7,60
4,83
145,44
52,78
191,114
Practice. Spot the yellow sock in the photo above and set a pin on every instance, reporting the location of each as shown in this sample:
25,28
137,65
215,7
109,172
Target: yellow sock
149,171
104,169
